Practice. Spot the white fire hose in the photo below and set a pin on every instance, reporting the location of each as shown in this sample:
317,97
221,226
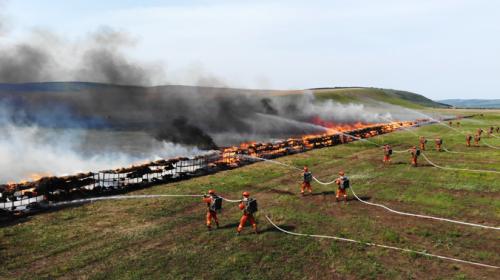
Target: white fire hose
389,209
283,230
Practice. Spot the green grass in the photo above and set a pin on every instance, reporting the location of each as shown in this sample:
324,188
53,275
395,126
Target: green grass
374,95
166,238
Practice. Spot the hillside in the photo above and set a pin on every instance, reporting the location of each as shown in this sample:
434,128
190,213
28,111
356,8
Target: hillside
354,94
371,95
473,103
166,237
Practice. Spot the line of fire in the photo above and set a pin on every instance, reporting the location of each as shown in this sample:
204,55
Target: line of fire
30,196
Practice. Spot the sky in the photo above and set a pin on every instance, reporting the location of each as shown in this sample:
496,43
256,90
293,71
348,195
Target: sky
441,49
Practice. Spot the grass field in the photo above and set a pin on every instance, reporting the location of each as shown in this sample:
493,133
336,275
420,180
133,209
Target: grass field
166,238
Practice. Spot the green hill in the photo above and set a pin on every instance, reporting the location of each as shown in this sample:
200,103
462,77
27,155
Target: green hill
374,95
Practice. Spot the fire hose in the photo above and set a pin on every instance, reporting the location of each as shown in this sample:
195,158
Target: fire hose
285,231
453,152
458,169
389,209
379,245
120,197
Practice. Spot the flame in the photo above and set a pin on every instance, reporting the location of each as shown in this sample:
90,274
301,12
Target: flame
38,176
231,156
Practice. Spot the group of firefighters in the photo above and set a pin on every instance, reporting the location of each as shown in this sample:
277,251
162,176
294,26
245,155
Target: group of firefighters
415,152
248,205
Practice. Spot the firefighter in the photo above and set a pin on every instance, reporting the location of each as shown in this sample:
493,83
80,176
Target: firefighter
343,184
458,124
490,131
477,138
387,153
468,138
214,204
422,142
439,142
479,131
498,129
450,123
249,207
306,184
414,155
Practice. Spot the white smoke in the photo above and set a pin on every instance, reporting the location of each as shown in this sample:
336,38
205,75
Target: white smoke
28,152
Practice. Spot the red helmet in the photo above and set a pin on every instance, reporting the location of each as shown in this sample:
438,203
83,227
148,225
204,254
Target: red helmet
246,194
305,168
341,173
211,191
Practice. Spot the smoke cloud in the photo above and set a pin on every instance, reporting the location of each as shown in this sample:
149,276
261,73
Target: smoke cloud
113,116
99,57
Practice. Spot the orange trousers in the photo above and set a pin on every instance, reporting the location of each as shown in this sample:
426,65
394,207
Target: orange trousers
438,147
212,215
414,161
468,143
387,158
422,146
244,219
305,186
341,192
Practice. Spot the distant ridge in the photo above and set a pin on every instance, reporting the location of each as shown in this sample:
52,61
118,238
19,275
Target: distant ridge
473,103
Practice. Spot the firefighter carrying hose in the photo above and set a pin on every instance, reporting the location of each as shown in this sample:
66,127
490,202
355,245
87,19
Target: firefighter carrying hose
414,155
477,138
439,142
490,131
498,129
343,184
214,205
479,131
387,153
306,184
422,142
249,207
468,138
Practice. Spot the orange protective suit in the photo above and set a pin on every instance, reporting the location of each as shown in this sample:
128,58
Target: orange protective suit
414,156
210,214
246,217
387,154
422,142
477,138
306,183
340,192
439,142
468,138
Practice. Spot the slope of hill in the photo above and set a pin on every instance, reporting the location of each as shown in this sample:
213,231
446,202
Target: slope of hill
363,95
341,94
473,103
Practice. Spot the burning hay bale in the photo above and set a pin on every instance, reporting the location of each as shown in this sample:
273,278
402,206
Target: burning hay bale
180,168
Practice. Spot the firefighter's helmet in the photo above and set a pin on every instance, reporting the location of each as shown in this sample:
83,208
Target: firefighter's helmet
341,173
211,191
246,194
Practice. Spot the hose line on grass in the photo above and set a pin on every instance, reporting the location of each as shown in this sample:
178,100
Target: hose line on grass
458,169
120,197
389,209
379,245
279,228
453,152
421,216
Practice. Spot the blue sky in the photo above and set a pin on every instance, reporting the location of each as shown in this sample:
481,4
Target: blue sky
442,49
